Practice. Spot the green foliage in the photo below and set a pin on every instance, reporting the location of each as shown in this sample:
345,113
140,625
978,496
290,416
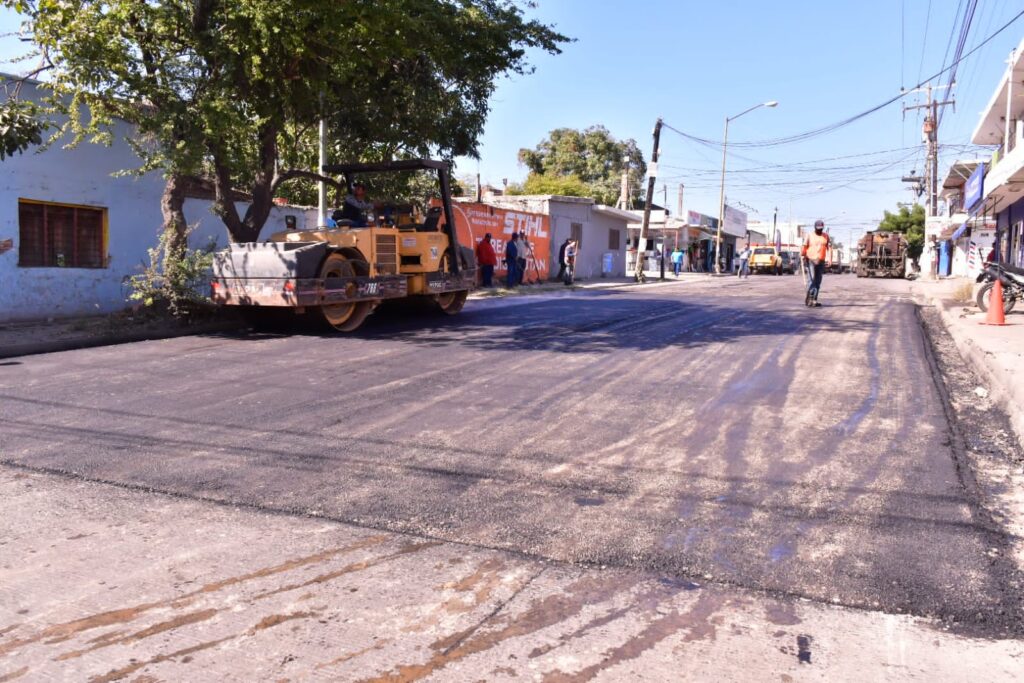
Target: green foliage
591,156
566,186
20,126
175,279
231,91
908,222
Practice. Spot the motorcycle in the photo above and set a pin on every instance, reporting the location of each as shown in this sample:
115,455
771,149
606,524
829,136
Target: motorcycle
1012,279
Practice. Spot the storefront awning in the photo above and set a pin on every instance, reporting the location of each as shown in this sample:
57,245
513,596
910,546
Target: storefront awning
959,231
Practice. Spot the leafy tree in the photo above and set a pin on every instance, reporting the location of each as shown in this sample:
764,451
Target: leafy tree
566,186
592,156
226,95
20,126
909,222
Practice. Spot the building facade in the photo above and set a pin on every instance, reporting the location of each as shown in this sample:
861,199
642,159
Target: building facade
599,229
1002,125
75,231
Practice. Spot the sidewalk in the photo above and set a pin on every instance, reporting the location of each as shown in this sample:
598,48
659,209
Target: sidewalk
996,353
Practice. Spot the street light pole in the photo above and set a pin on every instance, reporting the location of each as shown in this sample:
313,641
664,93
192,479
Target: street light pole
721,196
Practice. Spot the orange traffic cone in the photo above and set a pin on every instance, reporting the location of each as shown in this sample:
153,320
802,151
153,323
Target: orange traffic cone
995,315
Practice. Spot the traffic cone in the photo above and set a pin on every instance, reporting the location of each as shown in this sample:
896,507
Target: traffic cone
995,315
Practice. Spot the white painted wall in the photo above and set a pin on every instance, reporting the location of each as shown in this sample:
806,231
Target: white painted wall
84,176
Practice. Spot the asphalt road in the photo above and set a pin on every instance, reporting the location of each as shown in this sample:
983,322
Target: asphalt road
702,432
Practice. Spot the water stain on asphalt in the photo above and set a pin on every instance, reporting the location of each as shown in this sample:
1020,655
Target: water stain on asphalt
495,630
62,632
782,614
162,627
588,501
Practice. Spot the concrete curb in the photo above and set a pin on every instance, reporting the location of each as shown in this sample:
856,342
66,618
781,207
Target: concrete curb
57,345
1002,393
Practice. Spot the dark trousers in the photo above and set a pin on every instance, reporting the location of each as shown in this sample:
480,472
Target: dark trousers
814,272
513,275
487,274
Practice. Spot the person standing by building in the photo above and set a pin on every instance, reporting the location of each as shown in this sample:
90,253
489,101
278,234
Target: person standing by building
814,252
677,260
744,269
511,261
487,260
571,251
525,249
561,258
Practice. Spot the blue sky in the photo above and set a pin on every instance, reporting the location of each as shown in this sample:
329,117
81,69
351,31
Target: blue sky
693,63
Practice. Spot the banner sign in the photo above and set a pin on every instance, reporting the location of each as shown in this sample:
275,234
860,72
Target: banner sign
735,222
974,189
473,221
705,221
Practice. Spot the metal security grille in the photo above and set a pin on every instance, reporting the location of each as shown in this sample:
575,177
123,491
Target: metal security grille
59,236
387,254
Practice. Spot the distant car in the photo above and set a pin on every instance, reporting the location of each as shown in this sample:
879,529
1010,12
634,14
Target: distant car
766,260
788,262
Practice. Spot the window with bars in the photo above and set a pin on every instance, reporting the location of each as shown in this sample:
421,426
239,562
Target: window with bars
60,235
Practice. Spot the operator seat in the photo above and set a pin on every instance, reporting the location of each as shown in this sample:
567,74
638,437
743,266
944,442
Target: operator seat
431,221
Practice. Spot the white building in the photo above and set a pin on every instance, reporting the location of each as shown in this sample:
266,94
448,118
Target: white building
78,232
1002,124
599,229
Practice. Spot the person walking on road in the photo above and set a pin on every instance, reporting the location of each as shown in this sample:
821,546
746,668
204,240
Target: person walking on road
744,269
814,252
677,261
570,262
511,261
487,260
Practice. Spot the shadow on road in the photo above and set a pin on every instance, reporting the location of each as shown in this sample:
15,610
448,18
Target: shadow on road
599,323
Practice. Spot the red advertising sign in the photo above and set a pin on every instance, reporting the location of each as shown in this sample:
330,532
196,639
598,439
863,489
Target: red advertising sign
473,221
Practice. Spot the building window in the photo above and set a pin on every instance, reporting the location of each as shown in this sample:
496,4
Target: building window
576,232
613,239
60,235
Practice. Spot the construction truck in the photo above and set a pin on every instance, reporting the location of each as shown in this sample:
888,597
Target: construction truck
881,254
340,274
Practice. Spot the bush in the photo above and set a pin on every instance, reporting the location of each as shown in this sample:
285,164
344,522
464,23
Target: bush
176,279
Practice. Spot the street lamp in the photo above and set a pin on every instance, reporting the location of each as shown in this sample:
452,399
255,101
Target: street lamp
721,202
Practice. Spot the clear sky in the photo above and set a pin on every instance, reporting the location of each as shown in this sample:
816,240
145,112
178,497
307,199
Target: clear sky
693,63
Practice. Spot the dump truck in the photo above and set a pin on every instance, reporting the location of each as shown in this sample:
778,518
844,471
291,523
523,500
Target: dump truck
338,275
881,254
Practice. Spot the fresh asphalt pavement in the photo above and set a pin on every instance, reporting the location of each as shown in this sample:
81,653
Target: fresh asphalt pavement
709,432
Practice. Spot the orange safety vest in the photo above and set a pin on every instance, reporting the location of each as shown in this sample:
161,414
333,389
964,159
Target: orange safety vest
815,247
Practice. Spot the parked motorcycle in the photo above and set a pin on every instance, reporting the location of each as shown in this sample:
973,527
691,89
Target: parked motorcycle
1013,285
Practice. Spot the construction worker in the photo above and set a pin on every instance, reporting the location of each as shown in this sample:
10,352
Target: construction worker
487,260
814,252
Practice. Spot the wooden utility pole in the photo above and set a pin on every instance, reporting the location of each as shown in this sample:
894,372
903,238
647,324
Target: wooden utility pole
652,177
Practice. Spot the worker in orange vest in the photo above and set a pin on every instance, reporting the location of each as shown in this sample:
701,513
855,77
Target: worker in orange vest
814,252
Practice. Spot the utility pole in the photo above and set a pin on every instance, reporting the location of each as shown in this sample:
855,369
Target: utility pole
321,218
652,177
624,190
679,205
775,227
931,133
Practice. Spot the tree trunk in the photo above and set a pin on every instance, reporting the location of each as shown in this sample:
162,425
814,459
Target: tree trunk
172,206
